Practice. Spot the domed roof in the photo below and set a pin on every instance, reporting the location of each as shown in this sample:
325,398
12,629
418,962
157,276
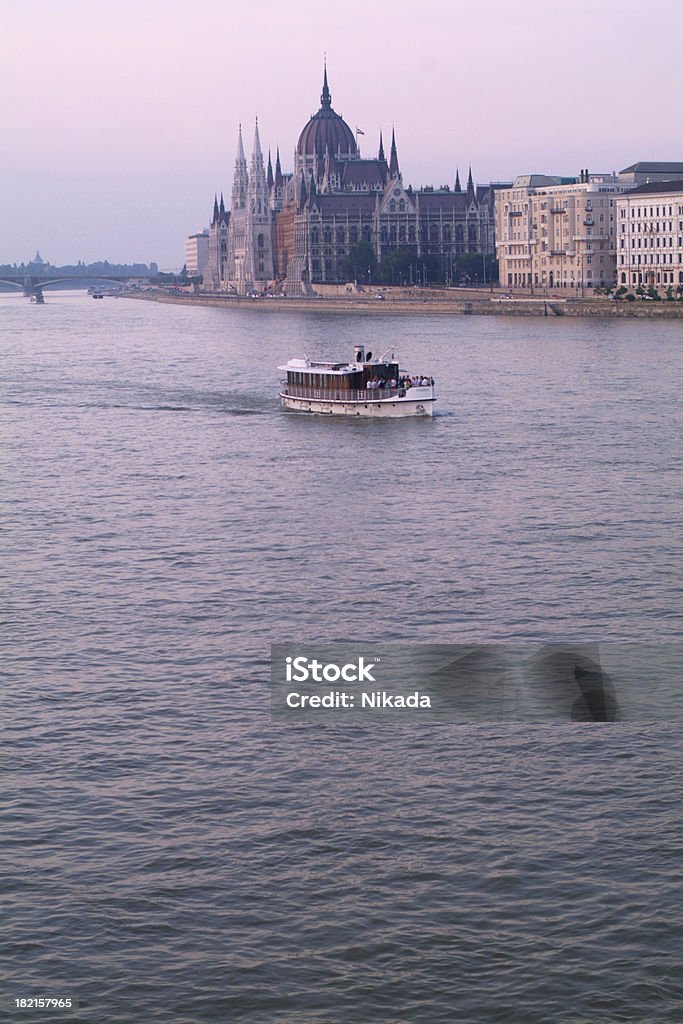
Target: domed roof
326,130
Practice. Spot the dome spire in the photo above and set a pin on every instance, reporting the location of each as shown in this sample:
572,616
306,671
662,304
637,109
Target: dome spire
325,97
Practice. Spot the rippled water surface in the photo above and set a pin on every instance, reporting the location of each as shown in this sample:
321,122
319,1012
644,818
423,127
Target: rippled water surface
168,853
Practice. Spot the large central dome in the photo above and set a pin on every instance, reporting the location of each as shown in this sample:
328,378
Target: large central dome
326,130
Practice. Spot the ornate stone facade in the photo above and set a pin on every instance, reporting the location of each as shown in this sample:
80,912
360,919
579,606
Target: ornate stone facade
292,231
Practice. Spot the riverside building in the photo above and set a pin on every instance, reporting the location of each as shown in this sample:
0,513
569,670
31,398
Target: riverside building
197,253
650,236
557,233
290,231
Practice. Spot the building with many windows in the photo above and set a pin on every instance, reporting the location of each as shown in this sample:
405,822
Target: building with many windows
290,231
557,233
649,222
197,253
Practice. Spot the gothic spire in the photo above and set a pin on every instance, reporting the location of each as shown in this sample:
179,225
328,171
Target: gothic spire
269,177
278,169
240,182
380,155
302,192
393,159
470,183
457,180
257,142
214,219
325,98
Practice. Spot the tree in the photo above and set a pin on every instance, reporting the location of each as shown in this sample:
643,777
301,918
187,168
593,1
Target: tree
360,263
475,266
395,266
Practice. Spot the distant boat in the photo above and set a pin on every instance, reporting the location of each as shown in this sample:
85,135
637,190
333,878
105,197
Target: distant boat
98,295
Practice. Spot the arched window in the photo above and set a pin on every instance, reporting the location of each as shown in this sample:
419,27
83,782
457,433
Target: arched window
402,233
447,233
459,233
341,238
392,206
260,241
327,236
402,206
434,233
411,233
315,236
367,233
383,236
472,233
353,235
392,234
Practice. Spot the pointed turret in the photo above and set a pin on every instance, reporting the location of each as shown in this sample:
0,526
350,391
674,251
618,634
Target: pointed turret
380,155
470,187
221,209
302,192
325,97
278,169
256,152
240,182
214,219
269,175
393,159
457,181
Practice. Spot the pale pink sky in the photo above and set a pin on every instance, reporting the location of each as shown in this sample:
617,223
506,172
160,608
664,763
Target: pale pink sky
119,120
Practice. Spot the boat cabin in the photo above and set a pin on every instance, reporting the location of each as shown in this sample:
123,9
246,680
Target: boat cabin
330,376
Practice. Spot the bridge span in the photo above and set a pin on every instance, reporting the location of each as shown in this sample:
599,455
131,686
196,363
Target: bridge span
33,287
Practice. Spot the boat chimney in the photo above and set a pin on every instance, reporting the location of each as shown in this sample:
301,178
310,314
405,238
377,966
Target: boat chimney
359,353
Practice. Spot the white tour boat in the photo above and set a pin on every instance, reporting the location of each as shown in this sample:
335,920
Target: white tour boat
365,387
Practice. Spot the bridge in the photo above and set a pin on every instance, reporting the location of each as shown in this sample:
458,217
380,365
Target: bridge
33,286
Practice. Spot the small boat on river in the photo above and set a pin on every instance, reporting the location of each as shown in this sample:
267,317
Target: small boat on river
365,387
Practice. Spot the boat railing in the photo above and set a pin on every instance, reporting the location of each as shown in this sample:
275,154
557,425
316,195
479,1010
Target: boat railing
352,394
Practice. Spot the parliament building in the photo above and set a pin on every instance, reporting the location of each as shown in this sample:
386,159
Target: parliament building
288,232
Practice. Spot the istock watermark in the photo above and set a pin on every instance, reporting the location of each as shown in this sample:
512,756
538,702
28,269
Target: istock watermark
570,681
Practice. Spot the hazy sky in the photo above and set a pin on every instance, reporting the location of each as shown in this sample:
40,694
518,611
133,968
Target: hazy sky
119,121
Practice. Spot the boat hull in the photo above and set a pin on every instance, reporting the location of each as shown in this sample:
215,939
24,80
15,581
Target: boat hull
389,408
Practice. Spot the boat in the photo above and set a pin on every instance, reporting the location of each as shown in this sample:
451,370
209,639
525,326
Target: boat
377,388
98,295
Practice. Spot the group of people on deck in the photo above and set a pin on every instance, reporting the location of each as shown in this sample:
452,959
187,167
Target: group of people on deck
403,382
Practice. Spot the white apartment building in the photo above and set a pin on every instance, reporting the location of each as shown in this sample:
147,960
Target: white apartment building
197,253
650,236
556,234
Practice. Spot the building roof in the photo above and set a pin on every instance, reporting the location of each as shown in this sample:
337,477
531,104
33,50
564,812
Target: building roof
326,130
534,180
359,172
646,167
345,202
441,200
654,187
